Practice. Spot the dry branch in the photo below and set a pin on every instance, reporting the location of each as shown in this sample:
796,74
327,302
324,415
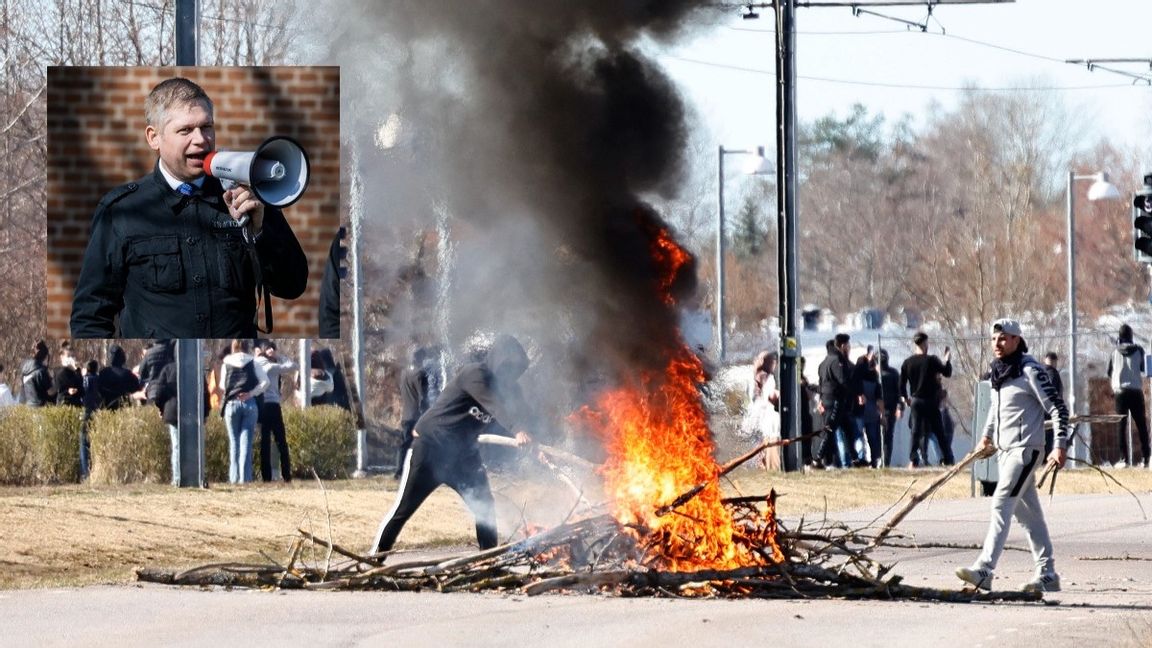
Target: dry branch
979,453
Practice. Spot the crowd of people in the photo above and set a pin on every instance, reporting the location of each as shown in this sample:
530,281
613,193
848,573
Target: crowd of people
245,389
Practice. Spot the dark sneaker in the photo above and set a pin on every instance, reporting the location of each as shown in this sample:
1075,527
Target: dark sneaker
978,578
1047,582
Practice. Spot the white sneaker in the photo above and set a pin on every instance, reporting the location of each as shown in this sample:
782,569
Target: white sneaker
980,578
1046,582
1120,464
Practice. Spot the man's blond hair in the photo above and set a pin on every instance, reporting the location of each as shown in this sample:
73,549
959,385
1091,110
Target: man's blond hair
169,94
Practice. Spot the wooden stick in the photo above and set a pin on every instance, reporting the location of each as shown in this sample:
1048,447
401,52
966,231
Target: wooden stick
555,453
979,453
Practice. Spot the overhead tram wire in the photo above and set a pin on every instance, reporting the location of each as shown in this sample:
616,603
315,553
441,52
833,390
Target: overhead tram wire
857,10
905,86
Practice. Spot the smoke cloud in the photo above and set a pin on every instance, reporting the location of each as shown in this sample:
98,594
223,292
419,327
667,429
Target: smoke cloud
531,136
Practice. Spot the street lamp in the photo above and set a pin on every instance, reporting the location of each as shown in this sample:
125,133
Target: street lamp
1101,189
758,165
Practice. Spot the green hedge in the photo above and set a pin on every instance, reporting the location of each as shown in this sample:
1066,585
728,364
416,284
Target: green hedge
41,445
321,438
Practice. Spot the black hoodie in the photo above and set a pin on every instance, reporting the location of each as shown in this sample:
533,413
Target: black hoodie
481,393
116,381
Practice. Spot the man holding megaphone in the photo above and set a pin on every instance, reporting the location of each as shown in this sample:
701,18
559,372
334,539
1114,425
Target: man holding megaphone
176,254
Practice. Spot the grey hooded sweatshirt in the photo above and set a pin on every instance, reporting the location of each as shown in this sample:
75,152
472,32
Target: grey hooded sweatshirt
1016,417
1126,367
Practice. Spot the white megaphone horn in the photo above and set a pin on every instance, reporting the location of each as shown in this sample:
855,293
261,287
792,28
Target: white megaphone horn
277,170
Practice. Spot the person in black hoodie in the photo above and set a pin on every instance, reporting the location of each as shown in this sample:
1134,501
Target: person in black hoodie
117,382
38,389
69,383
893,405
1126,372
446,448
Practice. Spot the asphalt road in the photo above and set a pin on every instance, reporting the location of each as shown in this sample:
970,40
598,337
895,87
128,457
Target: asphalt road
1103,549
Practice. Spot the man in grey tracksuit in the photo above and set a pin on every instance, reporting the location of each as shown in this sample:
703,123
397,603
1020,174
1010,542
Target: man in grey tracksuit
1021,395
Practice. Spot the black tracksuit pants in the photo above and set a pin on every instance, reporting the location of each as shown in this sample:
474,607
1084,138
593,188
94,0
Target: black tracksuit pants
1130,402
272,427
406,428
429,464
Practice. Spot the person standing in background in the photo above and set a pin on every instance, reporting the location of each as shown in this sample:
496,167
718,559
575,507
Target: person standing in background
38,389
1052,367
92,402
241,380
419,387
69,383
1126,372
271,416
6,396
892,405
920,386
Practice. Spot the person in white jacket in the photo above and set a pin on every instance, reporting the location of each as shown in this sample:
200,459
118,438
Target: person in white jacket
6,397
1021,395
241,381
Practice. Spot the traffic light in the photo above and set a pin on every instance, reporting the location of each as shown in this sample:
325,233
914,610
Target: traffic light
1142,221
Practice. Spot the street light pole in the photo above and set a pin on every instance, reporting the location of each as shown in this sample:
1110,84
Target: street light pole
1101,190
720,260
759,169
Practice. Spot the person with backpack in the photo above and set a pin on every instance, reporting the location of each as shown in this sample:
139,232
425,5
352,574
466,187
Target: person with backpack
241,380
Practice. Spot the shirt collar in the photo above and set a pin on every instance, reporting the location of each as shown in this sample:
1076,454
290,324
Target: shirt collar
174,182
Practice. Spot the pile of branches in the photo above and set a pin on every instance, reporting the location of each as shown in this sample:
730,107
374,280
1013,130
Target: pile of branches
595,554
598,553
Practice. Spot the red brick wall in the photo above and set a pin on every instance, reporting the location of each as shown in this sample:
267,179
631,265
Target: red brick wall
96,142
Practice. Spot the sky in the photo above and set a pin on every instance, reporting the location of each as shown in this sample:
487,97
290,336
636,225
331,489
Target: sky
892,69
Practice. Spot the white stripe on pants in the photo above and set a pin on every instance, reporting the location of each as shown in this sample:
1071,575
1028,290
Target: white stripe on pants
1016,495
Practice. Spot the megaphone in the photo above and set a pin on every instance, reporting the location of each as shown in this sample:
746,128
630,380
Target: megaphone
277,170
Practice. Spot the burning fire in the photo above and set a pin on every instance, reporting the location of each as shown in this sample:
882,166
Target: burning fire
659,447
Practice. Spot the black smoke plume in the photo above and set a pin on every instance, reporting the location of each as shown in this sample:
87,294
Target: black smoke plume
539,131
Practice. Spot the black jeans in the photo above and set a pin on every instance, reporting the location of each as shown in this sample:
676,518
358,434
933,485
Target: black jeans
1130,402
924,419
272,427
428,465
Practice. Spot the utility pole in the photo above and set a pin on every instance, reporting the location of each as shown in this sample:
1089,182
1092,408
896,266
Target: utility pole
787,193
189,367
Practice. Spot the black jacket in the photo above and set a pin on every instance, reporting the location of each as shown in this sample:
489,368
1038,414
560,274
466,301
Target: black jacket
158,356
890,388
116,381
835,373
69,378
919,376
37,381
481,394
166,395
172,266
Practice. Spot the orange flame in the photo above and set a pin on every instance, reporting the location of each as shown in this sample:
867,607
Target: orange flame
659,447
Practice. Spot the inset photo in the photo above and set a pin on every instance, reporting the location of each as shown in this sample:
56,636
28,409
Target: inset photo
193,202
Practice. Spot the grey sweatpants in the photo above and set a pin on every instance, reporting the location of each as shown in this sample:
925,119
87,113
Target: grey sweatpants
1016,495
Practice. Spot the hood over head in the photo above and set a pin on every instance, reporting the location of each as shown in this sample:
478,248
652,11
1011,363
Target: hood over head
506,358
116,356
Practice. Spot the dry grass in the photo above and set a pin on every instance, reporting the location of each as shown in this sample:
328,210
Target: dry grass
73,535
